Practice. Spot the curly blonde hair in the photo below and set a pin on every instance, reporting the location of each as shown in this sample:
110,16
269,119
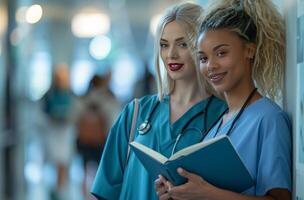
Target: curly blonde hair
256,21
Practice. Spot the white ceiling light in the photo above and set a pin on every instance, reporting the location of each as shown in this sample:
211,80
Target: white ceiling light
87,25
33,14
100,47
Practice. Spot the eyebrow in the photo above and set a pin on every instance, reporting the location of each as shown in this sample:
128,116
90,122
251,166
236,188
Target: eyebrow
176,40
215,48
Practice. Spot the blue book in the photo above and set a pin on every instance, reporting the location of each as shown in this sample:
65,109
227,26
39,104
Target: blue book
215,160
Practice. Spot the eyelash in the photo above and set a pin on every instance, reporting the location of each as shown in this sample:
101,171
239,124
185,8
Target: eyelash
221,53
203,59
183,45
163,45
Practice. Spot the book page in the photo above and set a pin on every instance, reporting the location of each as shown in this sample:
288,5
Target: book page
195,147
149,152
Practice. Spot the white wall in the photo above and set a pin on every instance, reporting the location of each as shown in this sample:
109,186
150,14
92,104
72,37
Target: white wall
290,81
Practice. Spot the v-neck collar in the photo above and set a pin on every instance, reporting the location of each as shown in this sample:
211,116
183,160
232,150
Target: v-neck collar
179,124
224,128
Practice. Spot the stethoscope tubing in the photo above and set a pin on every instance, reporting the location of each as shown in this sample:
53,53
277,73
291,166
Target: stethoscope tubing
146,125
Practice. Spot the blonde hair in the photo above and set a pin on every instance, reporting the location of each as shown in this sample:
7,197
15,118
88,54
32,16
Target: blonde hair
256,21
189,16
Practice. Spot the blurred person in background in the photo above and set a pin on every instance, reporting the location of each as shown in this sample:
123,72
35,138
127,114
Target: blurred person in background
184,108
97,111
59,133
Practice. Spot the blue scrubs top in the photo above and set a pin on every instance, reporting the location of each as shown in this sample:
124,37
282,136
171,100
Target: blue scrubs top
112,180
262,137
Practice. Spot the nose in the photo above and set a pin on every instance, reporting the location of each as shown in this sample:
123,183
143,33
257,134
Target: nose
172,53
212,65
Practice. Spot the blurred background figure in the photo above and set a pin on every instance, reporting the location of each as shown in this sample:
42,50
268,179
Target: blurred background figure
59,132
97,110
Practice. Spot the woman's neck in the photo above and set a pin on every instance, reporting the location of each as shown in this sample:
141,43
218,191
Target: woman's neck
184,96
237,97
188,93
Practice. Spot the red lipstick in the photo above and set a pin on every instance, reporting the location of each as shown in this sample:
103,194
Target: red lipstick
175,66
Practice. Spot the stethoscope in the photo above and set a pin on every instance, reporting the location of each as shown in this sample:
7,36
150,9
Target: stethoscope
250,96
145,127
220,118
203,132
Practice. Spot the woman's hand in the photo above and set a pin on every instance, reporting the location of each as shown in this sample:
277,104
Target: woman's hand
162,187
195,188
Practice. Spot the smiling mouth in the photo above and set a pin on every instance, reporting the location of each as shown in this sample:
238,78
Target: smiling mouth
217,78
175,66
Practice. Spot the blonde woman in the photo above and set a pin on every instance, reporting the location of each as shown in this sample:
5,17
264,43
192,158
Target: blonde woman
241,52
177,117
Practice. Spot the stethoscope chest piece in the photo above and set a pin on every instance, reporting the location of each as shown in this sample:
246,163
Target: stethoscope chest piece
144,128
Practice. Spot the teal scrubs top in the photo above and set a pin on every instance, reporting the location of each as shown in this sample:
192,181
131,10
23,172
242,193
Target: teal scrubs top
262,137
115,181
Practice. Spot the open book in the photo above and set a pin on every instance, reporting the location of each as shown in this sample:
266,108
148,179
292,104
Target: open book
215,160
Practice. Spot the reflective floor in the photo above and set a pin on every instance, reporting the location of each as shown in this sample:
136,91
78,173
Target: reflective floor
41,182
40,175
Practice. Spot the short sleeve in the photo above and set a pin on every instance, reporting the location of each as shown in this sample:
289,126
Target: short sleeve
109,177
274,166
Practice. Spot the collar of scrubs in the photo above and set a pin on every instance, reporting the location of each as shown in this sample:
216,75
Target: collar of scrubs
236,117
179,124
224,129
166,141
